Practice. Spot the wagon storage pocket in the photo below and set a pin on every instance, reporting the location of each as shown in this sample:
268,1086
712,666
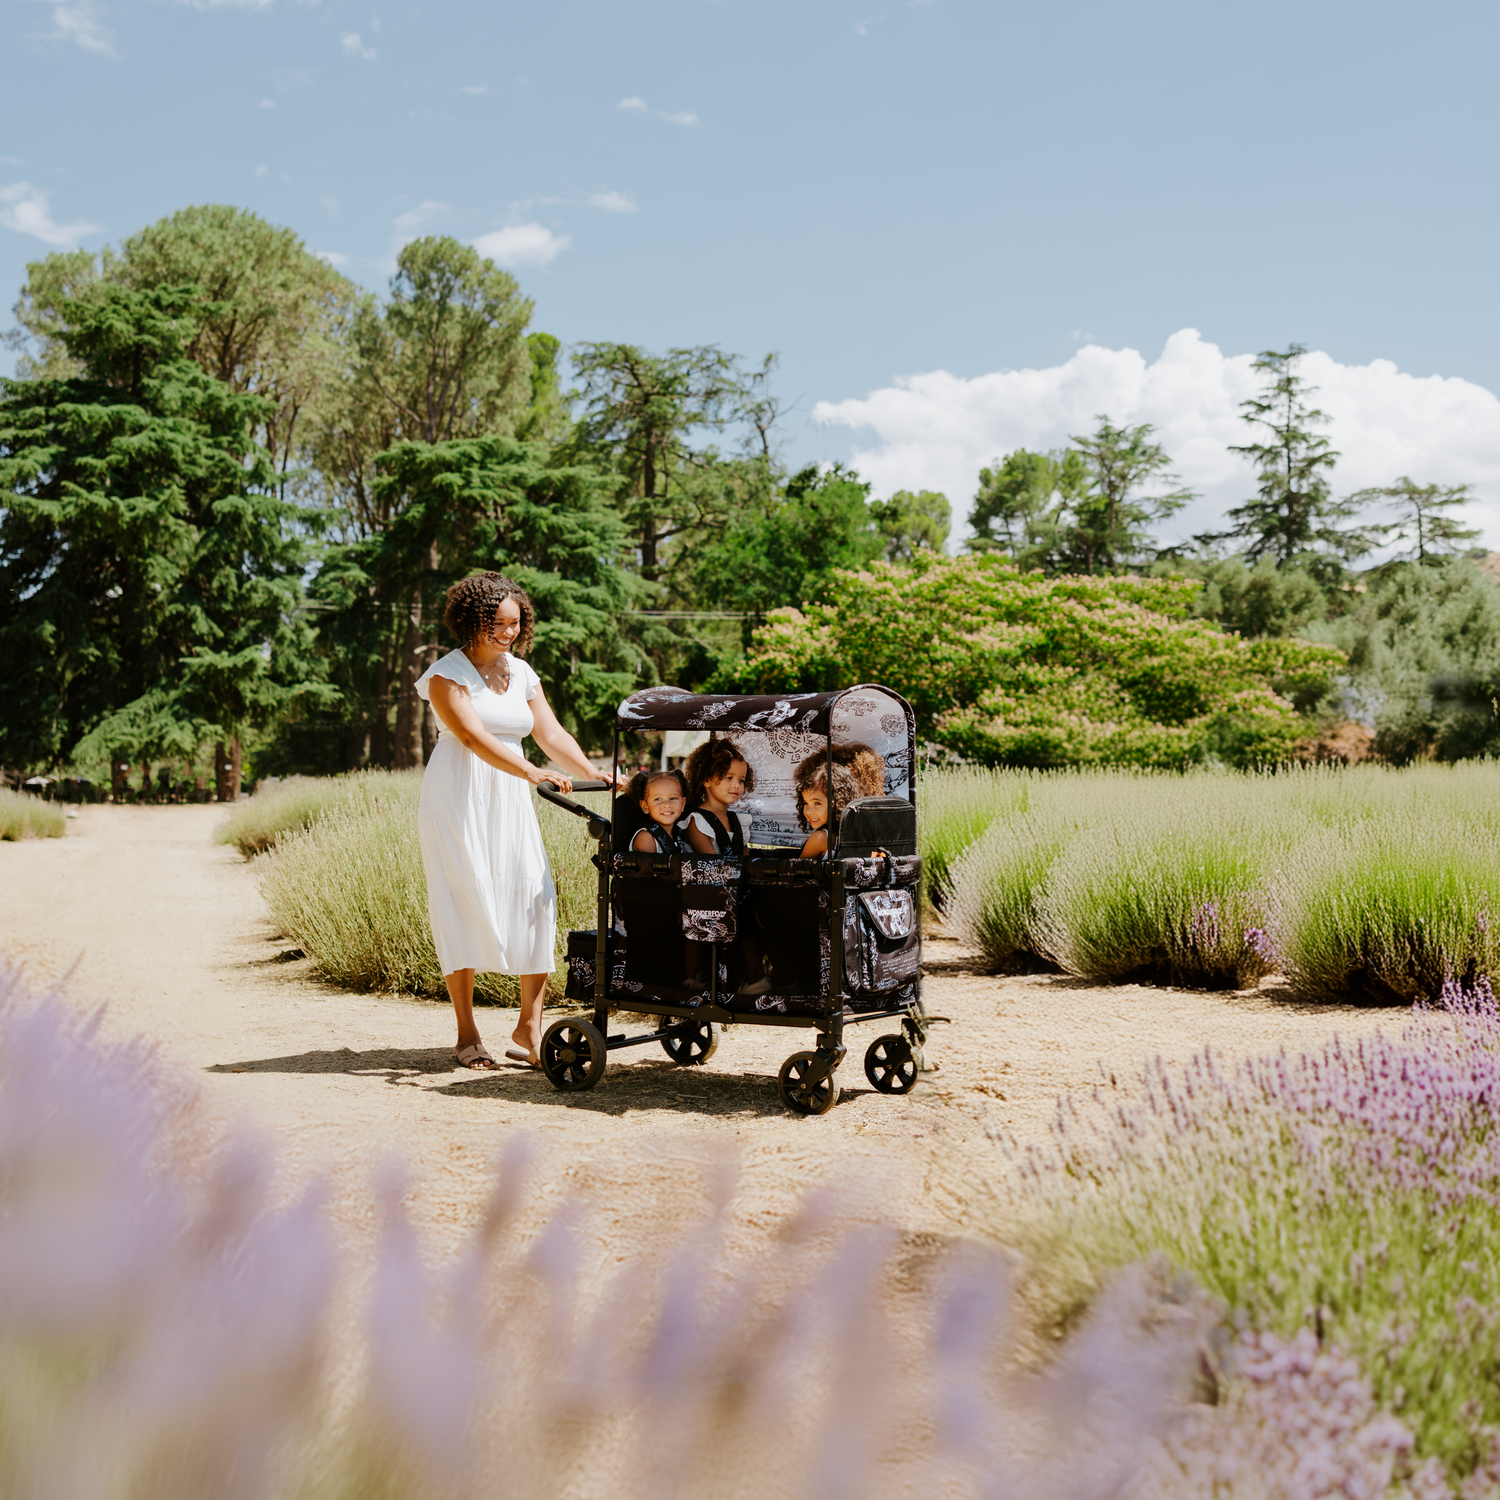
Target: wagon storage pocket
882,947
710,899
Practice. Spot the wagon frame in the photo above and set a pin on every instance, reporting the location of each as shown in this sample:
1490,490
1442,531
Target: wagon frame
873,851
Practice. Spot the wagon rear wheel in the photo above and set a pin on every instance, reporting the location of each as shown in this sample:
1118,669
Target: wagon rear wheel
573,1054
891,1065
689,1048
798,1093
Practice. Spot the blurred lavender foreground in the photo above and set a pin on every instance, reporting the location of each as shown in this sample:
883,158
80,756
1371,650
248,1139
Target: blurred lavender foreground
167,1330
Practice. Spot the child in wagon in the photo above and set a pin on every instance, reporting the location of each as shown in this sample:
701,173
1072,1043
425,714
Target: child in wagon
857,772
718,775
662,796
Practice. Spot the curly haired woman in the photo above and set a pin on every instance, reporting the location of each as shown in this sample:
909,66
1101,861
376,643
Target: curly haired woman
490,895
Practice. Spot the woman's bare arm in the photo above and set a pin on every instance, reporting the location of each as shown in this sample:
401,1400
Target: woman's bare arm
555,741
452,704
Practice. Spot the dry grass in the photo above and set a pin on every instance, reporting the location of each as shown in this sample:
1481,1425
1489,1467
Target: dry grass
23,816
350,891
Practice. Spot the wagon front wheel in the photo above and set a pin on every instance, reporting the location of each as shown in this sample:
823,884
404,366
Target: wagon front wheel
573,1054
800,1094
891,1065
690,1048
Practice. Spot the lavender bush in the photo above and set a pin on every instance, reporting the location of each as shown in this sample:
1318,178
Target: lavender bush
169,1328
1369,882
1352,1195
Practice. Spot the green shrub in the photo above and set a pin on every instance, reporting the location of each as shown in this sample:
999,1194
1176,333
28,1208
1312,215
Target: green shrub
999,888
350,891
23,816
955,806
1370,881
1175,897
1394,910
257,825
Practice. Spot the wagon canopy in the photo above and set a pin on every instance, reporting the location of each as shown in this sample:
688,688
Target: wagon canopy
777,732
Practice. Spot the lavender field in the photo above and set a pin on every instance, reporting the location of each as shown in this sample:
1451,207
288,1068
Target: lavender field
1370,884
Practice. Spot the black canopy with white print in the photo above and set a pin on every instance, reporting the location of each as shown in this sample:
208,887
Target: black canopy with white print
776,732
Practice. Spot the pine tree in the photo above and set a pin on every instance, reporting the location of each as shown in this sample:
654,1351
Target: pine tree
148,575
1420,521
1294,519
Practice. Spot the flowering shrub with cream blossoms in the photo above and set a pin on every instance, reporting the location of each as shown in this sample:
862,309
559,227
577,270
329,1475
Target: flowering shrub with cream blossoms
1012,668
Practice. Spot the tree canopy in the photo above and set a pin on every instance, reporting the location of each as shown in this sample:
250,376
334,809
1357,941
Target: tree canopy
1036,671
150,582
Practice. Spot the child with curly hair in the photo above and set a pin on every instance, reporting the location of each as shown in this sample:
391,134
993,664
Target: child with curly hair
718,775
857,772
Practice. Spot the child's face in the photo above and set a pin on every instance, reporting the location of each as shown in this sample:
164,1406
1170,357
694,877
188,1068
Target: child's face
815,807
730,787
663,802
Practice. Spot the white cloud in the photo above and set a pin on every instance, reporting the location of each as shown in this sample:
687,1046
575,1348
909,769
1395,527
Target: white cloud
335,258
79,24
682,119
413,219
612,202
936,431
353,47
266,104
25,210
227,4
262,170
472,88
522,246
635,105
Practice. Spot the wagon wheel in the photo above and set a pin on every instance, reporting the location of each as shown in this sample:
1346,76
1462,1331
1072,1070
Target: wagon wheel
800,1096
891,1065
689,1048
573,1054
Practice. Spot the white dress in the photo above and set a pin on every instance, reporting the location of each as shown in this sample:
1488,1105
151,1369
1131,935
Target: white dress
490,895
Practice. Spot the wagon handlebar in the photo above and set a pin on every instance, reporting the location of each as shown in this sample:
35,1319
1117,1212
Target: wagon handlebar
597,826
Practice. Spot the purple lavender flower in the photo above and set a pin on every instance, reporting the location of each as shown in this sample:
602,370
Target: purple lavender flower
1258,941
1203,930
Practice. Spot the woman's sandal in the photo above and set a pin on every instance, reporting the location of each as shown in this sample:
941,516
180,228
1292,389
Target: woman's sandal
476,1056
518,1054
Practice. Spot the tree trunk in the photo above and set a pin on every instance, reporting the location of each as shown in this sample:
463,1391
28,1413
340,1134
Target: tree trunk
227,764
119,779
408,747
380,730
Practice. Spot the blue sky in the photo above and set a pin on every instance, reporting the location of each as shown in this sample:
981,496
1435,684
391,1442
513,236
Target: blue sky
876,190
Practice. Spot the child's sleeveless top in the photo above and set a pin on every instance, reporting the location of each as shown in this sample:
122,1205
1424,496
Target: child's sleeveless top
667,843
729,840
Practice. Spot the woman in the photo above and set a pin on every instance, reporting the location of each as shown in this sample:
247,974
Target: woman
489,886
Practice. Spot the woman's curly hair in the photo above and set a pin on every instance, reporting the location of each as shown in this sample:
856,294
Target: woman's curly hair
473,602
857,772
711,762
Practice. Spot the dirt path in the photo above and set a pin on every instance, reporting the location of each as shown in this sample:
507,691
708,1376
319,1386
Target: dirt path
151,916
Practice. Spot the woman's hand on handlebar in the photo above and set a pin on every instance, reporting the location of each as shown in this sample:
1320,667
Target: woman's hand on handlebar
541,776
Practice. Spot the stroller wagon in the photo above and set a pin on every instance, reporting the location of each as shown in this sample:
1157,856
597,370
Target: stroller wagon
839,936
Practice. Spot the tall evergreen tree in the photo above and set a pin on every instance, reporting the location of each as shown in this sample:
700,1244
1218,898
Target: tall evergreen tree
148,575
268,319
1105,528
495,503
1294,518
1082,510
1422,522
446,358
